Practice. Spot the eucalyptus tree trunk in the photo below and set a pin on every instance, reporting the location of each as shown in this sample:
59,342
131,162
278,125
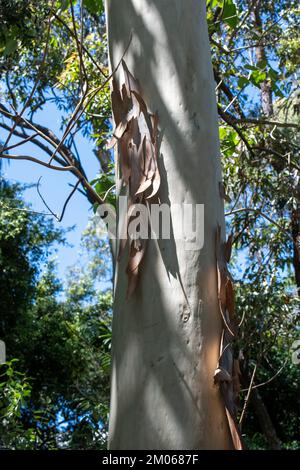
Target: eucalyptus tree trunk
166,338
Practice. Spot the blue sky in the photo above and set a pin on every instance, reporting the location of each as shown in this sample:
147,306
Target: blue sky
55,185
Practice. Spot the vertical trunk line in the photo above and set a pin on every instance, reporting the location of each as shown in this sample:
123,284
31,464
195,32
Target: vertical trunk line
265,86
296,245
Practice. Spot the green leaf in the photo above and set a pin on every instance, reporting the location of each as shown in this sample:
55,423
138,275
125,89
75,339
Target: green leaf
250,67
278,92
10,47
273,74
223,132
9,372
94,6
262,64
229,15
257,77
243,81
215,3
63,4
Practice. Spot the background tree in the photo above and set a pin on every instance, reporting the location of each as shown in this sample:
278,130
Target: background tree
256,78
54,388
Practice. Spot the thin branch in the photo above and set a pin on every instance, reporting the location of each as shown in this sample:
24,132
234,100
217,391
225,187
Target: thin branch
262,384
68,200
28,100
18,209
42,131
78,171
82,45
58,218
277,154
19,120
228,93
81,34
47,135
27,139
11,93
242,319
36,160
231,121
248,395
241,23
108,191
262,214
34,141
266,122
76,115
72,121
73,169
82,70
78,189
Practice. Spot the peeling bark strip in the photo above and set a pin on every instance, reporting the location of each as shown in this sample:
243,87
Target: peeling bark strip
227,372
136,136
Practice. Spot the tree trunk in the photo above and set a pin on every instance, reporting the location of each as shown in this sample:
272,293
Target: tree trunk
259,407
166,338
265,422
296,244
265,86
267,109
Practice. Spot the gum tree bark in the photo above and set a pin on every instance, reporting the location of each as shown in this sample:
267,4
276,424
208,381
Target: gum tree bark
166,338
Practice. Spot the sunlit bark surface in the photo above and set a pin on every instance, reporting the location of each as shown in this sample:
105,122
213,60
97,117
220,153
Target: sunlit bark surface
166,338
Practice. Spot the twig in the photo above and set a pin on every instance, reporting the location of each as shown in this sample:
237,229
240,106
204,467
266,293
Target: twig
265,122
277,154
67,201
231,121
27,102
258,211
42,131
83,47
108,191
242,319
35,160
262,384
91,94
36,142
248,395
27,139
58,218
82,70
24,210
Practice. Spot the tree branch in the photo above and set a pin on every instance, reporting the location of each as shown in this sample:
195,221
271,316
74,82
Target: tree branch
228,93
58,218
262,214
82,45
28,100
231,121
265,122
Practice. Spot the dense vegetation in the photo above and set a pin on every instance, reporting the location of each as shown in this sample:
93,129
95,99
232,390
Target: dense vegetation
54,389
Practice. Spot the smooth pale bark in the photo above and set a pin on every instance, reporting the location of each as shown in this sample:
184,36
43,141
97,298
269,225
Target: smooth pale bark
166,339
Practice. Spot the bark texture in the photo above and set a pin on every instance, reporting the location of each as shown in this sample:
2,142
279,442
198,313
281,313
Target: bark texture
166,338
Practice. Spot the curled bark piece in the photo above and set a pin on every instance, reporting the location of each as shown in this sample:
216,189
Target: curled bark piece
222,375
223,194
228,248
227,371
136,135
